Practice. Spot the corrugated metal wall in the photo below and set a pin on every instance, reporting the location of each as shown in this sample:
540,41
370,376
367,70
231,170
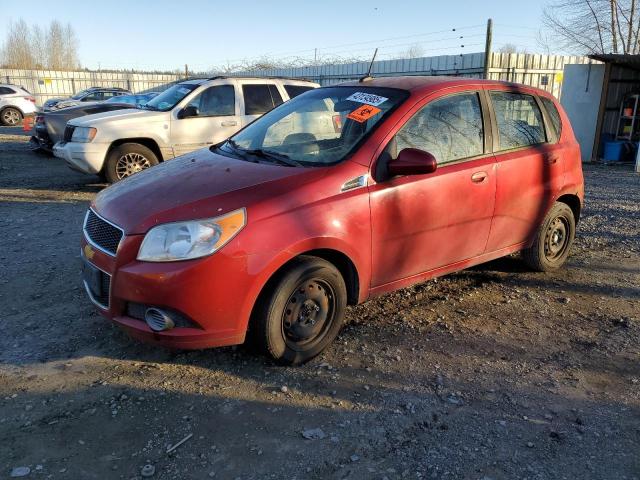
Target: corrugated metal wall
542,71
44,84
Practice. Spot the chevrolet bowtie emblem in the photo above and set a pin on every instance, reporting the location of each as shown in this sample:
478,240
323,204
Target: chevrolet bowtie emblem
89,252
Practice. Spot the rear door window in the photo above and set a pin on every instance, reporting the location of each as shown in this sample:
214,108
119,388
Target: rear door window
295,90
258,98
449,128
519,120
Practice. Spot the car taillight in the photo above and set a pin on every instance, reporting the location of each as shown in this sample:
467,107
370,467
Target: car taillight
31,99
337,123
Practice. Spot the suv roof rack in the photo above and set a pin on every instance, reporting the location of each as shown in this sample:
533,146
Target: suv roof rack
273,77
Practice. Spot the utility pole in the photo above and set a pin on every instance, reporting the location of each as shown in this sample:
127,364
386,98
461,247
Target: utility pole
186,71
487,48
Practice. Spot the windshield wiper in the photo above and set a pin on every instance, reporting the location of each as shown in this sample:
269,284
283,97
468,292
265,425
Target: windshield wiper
278,157
266,154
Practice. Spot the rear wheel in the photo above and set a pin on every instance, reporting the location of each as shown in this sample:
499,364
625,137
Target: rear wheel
128,159
553,240
302,312
11,117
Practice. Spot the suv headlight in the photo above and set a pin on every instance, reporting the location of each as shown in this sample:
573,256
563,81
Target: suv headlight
83,134
193,239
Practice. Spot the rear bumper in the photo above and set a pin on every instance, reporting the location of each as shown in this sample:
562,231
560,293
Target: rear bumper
84,157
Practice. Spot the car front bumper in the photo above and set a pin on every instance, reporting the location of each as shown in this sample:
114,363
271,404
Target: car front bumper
213,294
84,157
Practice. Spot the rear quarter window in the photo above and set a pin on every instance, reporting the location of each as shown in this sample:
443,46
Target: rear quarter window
554,115
6,91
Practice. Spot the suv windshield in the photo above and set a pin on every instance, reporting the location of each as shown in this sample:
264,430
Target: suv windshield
320,127
171,97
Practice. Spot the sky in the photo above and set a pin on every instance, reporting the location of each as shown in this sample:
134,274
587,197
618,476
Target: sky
167,34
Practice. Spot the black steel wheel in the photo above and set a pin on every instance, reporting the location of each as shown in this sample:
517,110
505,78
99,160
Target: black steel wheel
300,311
553,240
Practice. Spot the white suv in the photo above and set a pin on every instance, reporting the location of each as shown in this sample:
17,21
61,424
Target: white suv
187,116
15,104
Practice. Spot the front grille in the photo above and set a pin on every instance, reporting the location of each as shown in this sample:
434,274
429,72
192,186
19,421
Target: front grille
68,133
102,234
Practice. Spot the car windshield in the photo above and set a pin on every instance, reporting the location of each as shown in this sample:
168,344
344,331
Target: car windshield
80,94
171,97
320,127
130,99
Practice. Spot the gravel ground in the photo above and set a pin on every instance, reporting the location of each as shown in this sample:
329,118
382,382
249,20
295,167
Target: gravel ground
491,373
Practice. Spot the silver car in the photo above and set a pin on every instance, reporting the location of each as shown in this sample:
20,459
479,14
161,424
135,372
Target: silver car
15,104
93,94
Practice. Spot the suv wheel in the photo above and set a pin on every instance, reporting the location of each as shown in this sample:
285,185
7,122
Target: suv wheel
553,240
128,159
302,311
11,117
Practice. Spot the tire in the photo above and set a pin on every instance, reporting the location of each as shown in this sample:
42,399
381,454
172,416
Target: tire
126,160
11,117
300,312
553,240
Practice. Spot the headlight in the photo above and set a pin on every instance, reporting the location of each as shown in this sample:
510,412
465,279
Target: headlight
83,134
194,239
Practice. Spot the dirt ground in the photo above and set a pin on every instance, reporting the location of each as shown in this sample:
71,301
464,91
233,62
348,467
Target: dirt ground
491,373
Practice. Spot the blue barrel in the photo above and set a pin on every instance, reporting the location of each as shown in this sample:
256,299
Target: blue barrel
613,151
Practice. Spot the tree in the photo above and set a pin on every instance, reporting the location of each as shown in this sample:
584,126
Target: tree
17,50
54,47
414,51
511,48
595,26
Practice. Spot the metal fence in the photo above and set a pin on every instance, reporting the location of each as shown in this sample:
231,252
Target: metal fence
542,71
45,84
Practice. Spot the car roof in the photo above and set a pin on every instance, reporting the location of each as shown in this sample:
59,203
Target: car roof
198,81
425,84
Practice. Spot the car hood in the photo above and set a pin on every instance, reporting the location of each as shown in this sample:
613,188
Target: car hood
130,116
202,184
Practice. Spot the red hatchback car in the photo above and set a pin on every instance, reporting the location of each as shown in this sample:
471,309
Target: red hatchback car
339,195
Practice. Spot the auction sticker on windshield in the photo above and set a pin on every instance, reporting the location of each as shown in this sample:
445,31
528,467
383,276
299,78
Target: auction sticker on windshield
363,113
368,98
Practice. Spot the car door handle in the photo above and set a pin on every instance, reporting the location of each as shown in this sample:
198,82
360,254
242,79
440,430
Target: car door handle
229,123
479,177
551,159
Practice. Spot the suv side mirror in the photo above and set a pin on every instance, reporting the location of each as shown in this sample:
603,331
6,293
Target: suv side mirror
412,161
188,111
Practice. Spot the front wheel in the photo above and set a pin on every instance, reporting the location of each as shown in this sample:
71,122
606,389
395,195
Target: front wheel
11,117
553,240
302,311
128,159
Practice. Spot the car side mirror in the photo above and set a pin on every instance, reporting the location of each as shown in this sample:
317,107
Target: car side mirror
411,161
188,111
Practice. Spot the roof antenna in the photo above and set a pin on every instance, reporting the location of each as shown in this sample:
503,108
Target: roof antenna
368,76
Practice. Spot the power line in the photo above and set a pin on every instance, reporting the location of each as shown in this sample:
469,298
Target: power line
289,54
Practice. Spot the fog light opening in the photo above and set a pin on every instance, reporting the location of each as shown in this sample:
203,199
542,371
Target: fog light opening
158,320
